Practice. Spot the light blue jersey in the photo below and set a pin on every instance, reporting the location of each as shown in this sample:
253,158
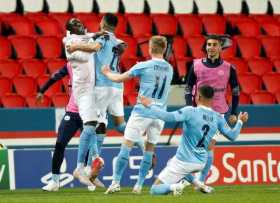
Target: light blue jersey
155,78
200,124
106,56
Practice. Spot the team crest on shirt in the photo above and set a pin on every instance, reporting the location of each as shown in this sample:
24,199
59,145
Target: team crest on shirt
221,72
67,118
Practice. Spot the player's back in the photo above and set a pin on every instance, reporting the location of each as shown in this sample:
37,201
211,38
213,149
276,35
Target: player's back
198,130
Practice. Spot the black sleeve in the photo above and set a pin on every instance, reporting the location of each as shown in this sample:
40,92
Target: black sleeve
191,81
61,73
233,81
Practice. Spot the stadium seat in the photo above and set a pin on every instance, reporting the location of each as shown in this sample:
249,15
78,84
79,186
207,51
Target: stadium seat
55,64
50,27
271,28
127,63
249,82
181,66
144,46
10,68
60,100
13,101
141,25
231,7
210,7
276,6
22,27
131,86
55,88
214,24
182,7
66,84
260,66
131,50
161,20
179,47
87,16
50,46
276,64
91,25
248,28
134,6
271,46
233,19
240,65
158,6
132,98
8,6
122,25
58,6
32,103
108,6
34,67
25,85
272,82
6,85
195,45
230,52
5,48
277,95
85,7
25,46
33,5
61,18
257,6
249,47
190,25
36,17
262,97
244,98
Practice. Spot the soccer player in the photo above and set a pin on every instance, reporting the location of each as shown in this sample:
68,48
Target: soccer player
218,73
68,127
155,79
200,125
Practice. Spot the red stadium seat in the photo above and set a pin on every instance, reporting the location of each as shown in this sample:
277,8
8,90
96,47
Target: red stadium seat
230,51
248,29
60,100
25,85
13,101
214,24
131,50
181,65
92,26
196,44
22,27
263,19
277,95
162,20
132,98
249,47
6,85
271,28
25,46
34,67
276,64
127,63
262,97
50,27
249,82
272,82
271,46
54,89
5,48
61,18
131,86
55,64
244,98
260,66
141,25
144,47
190,25
179,47
240,65
36,16
233,19
10,68
87,16
122,25
50,46
66,84
32,103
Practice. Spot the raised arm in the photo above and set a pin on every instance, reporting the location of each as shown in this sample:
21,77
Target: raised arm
90,47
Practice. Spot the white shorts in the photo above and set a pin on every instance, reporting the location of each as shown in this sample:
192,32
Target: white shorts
109,99
176,170
137,126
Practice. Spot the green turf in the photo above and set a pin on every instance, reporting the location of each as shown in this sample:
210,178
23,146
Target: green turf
224,194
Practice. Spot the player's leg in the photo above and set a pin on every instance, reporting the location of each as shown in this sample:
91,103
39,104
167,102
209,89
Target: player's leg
68,126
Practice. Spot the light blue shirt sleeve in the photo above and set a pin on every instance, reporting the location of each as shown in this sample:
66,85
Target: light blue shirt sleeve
182,114
136,70
228,132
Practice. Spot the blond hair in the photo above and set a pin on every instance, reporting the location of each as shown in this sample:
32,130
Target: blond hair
158,44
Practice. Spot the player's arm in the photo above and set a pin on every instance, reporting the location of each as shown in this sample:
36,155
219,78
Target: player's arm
191,81
61,73
232,133
233,81
90,47
115,77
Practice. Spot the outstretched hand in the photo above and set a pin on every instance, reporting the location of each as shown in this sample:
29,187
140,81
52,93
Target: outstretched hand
105,70
232,119
243,116
145,101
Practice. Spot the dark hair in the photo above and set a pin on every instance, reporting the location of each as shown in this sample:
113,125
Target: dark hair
206,91
111,20
225,41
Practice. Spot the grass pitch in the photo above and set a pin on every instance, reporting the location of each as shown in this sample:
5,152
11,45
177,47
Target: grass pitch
224,194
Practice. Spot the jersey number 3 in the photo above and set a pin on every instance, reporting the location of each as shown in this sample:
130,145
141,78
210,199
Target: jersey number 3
205,129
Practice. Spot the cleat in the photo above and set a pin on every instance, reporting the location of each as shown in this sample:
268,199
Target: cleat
51,186
82,177
177,189
137,189
205,189
114,187
185,183
91,188
96,167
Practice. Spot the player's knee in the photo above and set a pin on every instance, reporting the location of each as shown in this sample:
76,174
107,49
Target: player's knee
101,129
90,123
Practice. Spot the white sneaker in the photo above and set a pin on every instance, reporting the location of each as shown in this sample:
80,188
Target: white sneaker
205,189
137,189
81,176
114,187
177,189
51,186
91,188
185,183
